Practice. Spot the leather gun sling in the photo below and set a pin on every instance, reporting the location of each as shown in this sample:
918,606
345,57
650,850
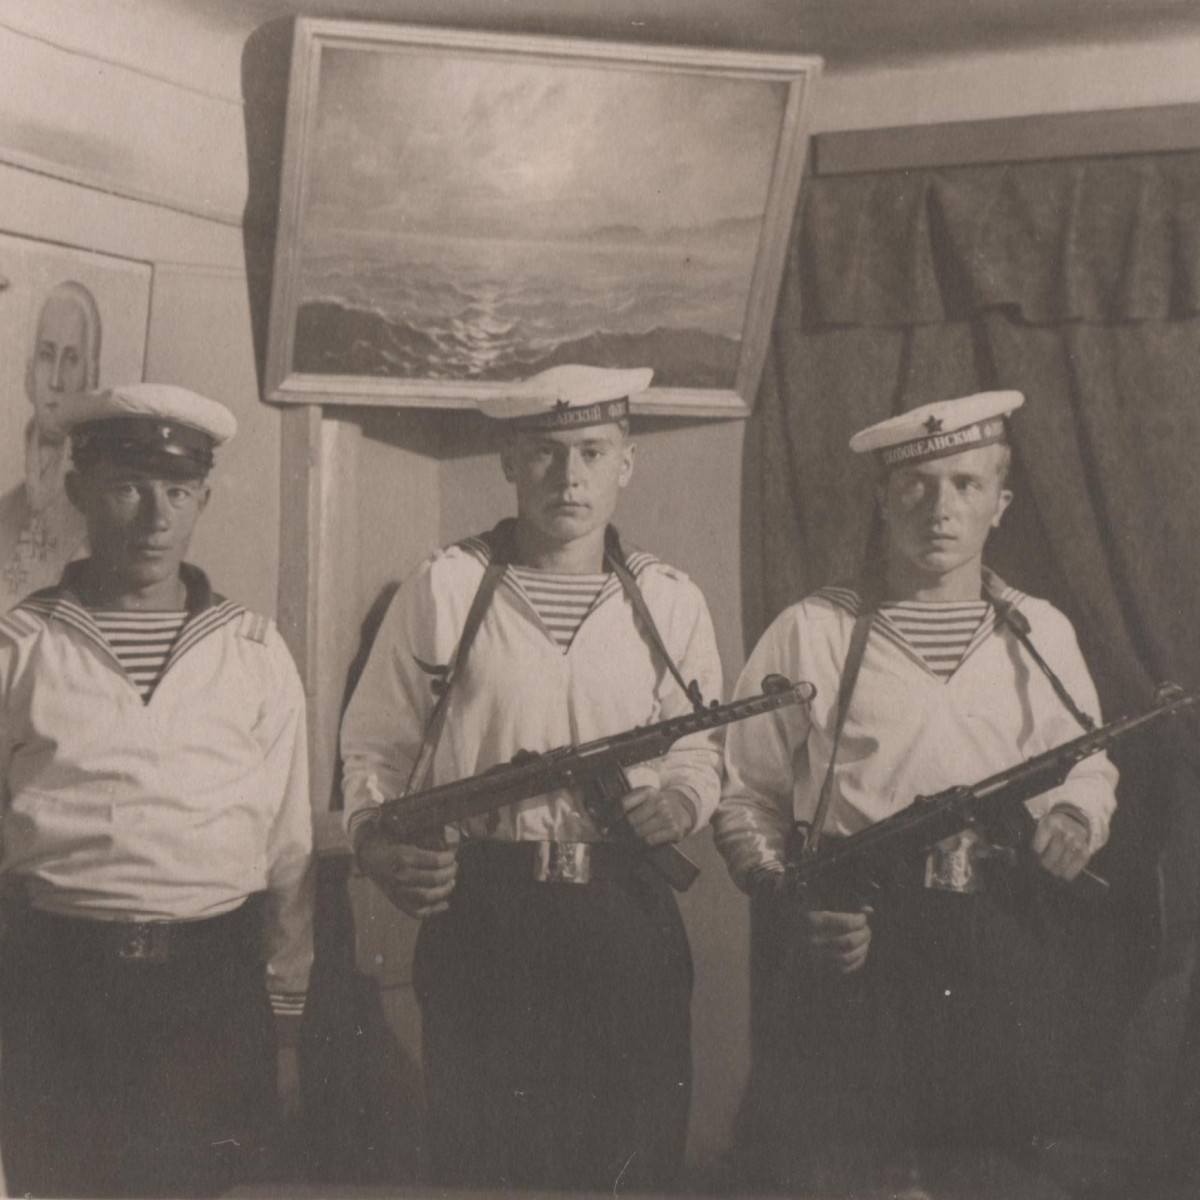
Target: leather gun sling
492,576
1018,625
500,542
615,557
854,657
850,669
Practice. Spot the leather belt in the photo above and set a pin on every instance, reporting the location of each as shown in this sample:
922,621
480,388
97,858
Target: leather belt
132,942
549,862
953,865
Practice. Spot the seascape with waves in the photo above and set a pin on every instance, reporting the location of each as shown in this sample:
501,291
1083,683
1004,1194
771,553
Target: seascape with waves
428,306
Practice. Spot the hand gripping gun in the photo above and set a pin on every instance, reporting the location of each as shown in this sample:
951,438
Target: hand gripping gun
843,874
597,768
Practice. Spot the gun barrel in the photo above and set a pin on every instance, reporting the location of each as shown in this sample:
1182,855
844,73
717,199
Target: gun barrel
534,774
930,819
1051,768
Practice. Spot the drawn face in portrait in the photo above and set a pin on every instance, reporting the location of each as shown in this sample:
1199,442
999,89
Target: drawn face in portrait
53,351
65,358
39,530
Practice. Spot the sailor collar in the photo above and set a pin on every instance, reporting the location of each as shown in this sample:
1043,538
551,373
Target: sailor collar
207,610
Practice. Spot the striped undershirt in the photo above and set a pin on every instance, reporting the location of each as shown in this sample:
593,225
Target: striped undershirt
141,641
560,600
938,631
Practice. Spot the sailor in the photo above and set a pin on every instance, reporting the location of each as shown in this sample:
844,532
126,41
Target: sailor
157,834
551,966
931,672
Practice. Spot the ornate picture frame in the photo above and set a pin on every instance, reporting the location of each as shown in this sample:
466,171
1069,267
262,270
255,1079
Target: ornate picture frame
463,209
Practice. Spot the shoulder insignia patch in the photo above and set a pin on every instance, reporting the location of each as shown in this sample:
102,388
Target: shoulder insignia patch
17,623
477,548
640,560
254,626
1014,596
672,572
840,597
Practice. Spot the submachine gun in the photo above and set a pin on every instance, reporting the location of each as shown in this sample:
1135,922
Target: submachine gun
597,768
845,873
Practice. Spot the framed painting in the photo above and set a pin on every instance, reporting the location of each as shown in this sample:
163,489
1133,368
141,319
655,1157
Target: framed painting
70,320
461,210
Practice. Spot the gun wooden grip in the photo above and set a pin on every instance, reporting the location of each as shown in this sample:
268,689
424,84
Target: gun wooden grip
674,866
1087,884
604,803
431,839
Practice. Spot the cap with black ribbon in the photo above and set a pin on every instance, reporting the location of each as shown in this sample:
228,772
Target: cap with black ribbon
571,396
939,429
148,426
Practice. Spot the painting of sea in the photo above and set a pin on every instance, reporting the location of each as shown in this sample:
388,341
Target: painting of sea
468,212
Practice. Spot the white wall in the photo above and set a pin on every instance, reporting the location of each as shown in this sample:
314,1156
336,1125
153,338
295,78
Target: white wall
146,98
122,104
978,87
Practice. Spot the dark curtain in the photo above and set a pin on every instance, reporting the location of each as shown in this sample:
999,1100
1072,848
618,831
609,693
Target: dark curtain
1077,283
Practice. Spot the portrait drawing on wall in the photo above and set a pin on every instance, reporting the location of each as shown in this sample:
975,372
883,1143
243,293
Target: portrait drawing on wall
70,321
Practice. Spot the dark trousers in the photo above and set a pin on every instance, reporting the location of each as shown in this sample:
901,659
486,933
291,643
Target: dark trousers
556,1032
125,1077
953,1037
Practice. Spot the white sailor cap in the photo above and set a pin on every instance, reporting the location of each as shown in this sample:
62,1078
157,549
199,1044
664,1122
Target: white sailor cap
569,397
153,426
939,429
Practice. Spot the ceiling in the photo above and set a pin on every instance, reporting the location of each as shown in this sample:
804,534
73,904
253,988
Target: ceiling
849,33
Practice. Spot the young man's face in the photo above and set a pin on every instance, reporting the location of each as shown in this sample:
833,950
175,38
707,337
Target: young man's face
58,367
139,523
939,513
568,480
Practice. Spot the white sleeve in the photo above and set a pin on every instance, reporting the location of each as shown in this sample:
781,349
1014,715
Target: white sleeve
386,717
290,871
8,658
754,819
694,762
1090,789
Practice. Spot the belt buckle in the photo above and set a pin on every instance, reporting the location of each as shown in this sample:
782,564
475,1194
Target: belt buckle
953,864
563,862
143,942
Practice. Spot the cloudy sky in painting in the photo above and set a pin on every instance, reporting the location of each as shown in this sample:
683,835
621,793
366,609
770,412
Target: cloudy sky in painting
427,141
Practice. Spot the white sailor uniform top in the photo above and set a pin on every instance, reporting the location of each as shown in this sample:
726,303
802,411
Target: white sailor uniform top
521,690
908,731
175,808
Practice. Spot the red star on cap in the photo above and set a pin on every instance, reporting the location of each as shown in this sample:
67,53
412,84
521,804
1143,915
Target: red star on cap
933,425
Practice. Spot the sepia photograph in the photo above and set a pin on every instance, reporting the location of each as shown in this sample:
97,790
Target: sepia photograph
600,600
